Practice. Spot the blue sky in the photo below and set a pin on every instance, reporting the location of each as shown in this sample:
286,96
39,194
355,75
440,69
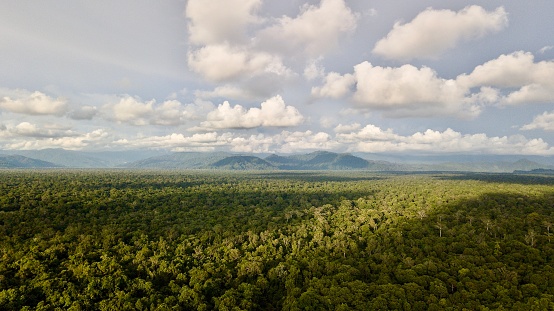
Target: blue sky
418,77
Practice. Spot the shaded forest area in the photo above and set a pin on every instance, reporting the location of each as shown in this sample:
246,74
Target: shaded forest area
122,240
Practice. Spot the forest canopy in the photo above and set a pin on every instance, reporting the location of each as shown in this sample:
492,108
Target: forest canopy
204,240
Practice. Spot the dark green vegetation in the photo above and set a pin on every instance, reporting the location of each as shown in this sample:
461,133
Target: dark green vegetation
119,240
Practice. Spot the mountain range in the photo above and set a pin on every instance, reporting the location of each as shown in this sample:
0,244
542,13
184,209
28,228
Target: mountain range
19,161
318,160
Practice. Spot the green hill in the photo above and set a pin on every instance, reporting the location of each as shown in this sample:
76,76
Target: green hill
319,160
243,163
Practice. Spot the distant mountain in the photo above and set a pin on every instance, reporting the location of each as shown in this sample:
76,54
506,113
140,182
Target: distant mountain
181,160
276,159
83,159
18,161
319,160
243,163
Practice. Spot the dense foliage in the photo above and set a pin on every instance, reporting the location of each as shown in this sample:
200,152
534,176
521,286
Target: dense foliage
120,240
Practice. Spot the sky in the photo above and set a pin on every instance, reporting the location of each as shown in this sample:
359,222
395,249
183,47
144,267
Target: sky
294,76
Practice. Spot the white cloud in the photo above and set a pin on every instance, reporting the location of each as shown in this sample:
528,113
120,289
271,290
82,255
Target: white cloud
168,113
314,70
315,31
369,138
250,55
534,81
347,128
27,129
179,142
217,21
402,86
368,133
284,142
220,62
509,71
335,86
129,110
253,144
409,91
226,91
419,92
432,32
544,121
408,87
373,139
134,111
293,142
272,113
31,103
71,141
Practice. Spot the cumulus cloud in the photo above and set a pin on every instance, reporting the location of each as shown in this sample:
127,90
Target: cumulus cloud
226,91
373,139
134,111
419,92
432,32
272,113
401,91
291,142
533,81
402,86
31,103
314,70
233,45
284,142
130,110
369,138
216,21
335,85
220,62
347,127
69,140
177,141
544,122
27,129
316,30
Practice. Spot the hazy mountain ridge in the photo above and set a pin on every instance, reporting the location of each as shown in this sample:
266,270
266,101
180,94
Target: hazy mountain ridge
83,159
180,160
19,161
318,160
243,163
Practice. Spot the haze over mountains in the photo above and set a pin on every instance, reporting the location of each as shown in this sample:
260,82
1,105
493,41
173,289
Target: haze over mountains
318,160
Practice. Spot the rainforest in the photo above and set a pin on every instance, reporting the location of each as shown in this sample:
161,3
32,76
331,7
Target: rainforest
275,240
